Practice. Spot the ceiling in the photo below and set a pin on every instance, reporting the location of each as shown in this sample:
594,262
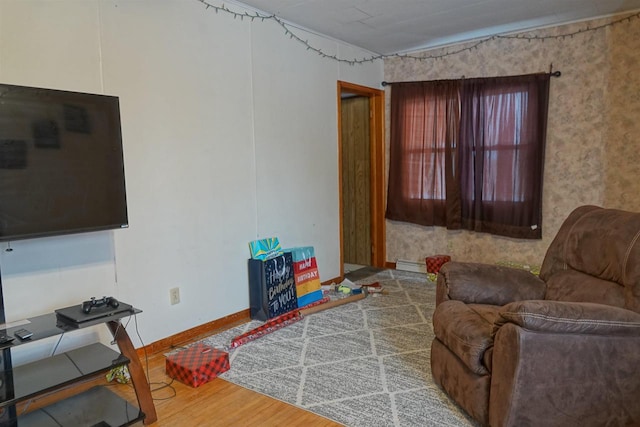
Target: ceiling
398,26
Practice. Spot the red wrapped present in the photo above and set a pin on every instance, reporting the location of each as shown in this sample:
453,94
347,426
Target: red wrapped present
435,262
197,364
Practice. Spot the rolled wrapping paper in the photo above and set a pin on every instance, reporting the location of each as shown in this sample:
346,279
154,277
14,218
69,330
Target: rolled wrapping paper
268,327
274,324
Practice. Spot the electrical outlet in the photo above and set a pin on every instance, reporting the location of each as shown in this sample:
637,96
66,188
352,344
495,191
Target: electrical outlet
174,295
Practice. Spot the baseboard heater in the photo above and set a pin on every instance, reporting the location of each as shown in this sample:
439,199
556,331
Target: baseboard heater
416,267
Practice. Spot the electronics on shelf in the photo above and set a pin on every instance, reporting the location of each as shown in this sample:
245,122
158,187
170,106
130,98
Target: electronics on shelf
92,309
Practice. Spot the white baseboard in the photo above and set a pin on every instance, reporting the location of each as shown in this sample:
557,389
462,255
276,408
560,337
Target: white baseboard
416,267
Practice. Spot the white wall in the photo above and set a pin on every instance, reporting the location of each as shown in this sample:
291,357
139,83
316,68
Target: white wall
230,134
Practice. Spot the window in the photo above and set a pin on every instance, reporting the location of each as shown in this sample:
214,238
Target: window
469,154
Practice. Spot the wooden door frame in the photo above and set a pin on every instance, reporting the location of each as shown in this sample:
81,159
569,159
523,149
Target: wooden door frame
377,170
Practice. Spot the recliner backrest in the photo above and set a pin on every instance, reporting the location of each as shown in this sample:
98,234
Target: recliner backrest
595,257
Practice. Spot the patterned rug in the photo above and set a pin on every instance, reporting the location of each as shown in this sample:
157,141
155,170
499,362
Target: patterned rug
364,363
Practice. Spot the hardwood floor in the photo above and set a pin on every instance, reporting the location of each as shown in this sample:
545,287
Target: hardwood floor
217,403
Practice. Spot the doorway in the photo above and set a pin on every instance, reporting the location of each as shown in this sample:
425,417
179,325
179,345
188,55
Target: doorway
361,175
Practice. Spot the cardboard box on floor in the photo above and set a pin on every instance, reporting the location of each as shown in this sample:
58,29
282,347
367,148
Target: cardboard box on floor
197,364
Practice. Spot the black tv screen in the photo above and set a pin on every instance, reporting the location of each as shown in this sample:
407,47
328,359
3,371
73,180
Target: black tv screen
61,163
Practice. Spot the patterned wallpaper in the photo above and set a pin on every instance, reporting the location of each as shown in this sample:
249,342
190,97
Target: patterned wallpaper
593,135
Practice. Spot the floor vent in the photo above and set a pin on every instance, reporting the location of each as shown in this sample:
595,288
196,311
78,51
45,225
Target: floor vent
417,267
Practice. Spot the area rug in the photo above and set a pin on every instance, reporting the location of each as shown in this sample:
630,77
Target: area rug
362,364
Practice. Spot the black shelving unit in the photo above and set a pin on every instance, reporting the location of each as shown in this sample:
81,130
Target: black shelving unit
97,406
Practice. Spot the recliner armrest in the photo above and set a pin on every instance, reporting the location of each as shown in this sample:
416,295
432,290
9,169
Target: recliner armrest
570,317
475,283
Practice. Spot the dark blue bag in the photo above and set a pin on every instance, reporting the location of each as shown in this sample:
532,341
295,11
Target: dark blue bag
272,288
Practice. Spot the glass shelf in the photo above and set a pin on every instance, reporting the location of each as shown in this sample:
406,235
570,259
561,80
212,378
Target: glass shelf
58,371
95,407
50,325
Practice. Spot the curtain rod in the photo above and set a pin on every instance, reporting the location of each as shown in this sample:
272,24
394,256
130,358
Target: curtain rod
552,74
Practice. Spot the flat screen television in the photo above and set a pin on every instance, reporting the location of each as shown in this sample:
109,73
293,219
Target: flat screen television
61,163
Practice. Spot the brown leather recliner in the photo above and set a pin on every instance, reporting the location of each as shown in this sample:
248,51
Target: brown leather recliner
563,349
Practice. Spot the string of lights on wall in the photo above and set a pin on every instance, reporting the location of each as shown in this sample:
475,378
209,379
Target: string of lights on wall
418,57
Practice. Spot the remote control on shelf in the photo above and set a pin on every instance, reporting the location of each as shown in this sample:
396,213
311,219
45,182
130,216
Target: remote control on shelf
4,338
23,334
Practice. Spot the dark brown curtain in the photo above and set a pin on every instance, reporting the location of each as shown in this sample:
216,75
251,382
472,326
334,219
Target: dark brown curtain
502,140
423,144
469,154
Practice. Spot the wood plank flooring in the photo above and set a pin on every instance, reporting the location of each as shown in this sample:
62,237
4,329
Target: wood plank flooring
217,403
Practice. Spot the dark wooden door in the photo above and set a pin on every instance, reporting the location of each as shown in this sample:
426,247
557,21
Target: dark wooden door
356,180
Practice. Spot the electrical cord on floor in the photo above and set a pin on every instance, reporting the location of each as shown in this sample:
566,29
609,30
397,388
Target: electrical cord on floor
161,384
